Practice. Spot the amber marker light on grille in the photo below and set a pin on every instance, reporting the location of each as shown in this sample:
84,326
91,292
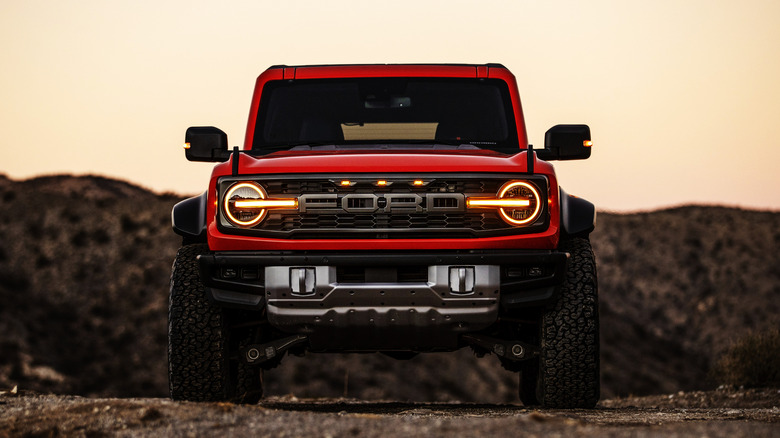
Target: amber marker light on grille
381,182
587,143
346,183
418,182
187,145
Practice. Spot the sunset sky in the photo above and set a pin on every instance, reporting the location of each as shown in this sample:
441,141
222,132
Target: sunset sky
682,97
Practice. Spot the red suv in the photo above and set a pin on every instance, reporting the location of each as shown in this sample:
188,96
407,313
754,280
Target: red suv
385,208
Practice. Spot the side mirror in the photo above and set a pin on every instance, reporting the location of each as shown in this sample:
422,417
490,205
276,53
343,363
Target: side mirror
206,143
566,142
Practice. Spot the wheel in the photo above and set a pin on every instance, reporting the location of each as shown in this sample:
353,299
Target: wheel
203,363
566,374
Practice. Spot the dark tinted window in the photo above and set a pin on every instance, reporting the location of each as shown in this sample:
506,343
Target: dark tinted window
395,111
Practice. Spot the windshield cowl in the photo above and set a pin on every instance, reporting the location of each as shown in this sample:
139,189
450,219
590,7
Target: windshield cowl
386,146
324,151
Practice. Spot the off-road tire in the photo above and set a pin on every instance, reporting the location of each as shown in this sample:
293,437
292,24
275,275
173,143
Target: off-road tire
202,348
566,375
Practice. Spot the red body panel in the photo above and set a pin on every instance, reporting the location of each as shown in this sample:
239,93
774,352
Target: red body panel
391,162
387,161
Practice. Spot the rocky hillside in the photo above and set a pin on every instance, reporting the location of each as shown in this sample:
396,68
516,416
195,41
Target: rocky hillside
84,265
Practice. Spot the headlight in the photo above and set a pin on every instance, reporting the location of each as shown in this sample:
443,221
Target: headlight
236,208
246,204
518,203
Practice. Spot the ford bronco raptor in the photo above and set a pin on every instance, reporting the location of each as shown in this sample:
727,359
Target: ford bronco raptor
384,208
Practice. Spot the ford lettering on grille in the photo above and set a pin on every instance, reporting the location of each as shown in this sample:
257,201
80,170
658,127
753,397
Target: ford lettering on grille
382,203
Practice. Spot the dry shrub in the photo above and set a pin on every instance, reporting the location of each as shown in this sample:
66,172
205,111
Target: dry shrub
753,361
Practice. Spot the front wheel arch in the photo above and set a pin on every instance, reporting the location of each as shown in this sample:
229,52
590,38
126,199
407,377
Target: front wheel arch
188,219
578,216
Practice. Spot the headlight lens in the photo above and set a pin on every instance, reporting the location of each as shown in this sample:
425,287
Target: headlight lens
518,203
523,191
246,204
239,207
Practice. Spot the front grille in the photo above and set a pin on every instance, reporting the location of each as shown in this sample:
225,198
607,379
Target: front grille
473,221
363,208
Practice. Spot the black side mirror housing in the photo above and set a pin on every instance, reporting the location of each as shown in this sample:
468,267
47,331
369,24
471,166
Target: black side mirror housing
566,142
206,143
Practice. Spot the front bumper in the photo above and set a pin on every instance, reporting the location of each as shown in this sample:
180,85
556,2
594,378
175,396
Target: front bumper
358,301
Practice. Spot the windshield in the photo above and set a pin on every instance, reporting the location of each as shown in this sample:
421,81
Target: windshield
400,113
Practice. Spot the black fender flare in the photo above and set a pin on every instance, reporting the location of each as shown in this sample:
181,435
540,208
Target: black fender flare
188,218
578,216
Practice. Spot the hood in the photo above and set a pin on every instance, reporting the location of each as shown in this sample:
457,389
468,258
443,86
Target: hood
383,162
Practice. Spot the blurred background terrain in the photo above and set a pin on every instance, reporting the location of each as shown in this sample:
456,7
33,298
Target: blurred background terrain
84,266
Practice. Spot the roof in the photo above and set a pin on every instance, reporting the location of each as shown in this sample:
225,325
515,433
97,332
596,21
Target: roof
379,70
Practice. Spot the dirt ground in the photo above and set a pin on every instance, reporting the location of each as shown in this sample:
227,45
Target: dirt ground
724,412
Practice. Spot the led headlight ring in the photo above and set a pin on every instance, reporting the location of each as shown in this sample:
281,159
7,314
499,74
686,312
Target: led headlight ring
247,217
536,200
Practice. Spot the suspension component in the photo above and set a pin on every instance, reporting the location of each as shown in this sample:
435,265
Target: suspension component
512,350
259,353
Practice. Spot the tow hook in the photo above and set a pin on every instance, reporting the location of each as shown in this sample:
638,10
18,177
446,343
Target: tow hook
512,350
259,353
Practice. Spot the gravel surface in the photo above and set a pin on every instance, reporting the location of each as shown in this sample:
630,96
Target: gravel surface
725,412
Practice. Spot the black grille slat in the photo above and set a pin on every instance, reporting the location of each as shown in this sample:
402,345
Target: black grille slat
475,221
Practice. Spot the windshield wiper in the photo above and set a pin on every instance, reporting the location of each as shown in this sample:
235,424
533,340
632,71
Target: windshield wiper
368,145
269,149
